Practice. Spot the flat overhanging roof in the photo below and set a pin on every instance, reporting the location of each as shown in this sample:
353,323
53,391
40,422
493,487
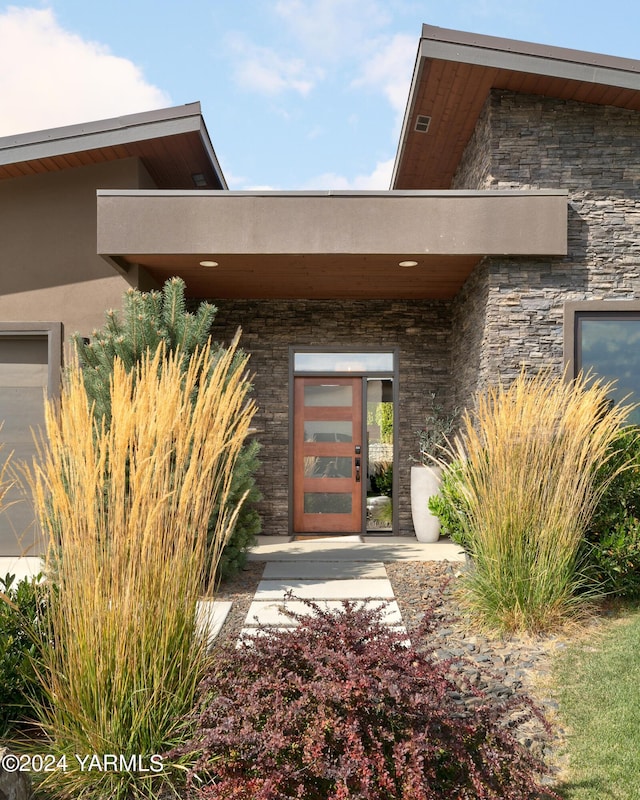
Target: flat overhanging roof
326,244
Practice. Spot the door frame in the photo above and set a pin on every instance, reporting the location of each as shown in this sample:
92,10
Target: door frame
364,374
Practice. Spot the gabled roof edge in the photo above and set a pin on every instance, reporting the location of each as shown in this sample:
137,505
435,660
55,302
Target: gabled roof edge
103,133
498,44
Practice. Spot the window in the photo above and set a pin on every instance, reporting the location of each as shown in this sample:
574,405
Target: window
604,338
324,363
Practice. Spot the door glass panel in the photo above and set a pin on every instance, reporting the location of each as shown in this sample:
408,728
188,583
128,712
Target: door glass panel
328,395
328,431
322,467
379,454
327,503
343,362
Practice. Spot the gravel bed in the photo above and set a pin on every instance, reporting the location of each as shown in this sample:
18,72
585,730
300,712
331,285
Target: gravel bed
501,668
240,590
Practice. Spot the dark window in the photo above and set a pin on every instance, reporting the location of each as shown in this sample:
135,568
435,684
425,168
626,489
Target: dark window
608,344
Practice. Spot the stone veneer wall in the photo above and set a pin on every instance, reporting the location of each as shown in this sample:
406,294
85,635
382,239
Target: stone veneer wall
421,331
510,312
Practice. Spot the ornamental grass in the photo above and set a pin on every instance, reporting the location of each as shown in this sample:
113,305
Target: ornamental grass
529,457
126,508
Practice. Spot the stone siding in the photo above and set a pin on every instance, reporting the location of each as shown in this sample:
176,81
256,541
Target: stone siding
513,307
421,332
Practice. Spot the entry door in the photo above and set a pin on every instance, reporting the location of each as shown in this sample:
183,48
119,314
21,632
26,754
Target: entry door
327,454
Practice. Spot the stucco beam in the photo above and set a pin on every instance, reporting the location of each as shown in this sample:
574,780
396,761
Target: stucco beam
431,223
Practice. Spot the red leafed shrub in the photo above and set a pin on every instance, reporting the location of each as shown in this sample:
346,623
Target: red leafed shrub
340,708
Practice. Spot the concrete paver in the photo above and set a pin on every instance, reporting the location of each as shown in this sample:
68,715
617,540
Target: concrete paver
271,614
388,549
323,570
358,589
331,570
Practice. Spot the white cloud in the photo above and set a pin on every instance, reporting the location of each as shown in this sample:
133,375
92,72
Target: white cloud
261,69
51,77
378,179
389,70
333,29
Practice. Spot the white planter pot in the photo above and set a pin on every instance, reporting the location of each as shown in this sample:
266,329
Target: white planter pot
425,482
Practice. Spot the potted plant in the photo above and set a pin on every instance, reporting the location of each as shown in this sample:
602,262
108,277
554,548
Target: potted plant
426,475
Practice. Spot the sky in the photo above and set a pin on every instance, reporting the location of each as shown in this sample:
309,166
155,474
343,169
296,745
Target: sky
296,94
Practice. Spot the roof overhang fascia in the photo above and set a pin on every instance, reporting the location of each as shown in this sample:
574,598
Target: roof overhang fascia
109,133
556,62
348,238
429,222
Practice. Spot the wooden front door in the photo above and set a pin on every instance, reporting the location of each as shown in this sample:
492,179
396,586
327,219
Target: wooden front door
328,459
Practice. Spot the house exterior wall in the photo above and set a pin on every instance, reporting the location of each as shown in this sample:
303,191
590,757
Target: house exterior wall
513,307
49,273
49,266
421,332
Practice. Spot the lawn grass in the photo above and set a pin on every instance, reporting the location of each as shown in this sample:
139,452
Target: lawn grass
599,693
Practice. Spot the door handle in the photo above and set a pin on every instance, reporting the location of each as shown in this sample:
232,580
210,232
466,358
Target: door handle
357,470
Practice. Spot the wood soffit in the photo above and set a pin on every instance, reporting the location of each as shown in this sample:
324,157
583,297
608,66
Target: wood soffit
173,145
452,92
313,277
170,160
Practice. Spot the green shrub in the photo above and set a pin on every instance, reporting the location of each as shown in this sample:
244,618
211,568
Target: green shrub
248,523
148,319
612,542
22,613
450,506
382,478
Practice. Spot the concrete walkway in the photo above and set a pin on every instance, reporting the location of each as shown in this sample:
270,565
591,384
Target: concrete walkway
329,571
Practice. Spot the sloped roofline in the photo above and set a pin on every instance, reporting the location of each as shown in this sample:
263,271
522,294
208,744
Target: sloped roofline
123,130
475,48
499,58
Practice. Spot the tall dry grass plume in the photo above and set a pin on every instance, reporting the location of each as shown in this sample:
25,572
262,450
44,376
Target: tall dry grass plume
126,512
528,457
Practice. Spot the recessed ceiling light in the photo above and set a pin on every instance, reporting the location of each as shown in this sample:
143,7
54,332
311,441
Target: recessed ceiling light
208,263
407,263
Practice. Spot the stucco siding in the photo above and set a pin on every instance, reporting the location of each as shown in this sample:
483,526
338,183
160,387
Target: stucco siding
49,267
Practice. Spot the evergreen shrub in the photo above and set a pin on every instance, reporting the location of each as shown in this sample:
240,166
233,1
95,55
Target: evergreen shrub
149,319
340,708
